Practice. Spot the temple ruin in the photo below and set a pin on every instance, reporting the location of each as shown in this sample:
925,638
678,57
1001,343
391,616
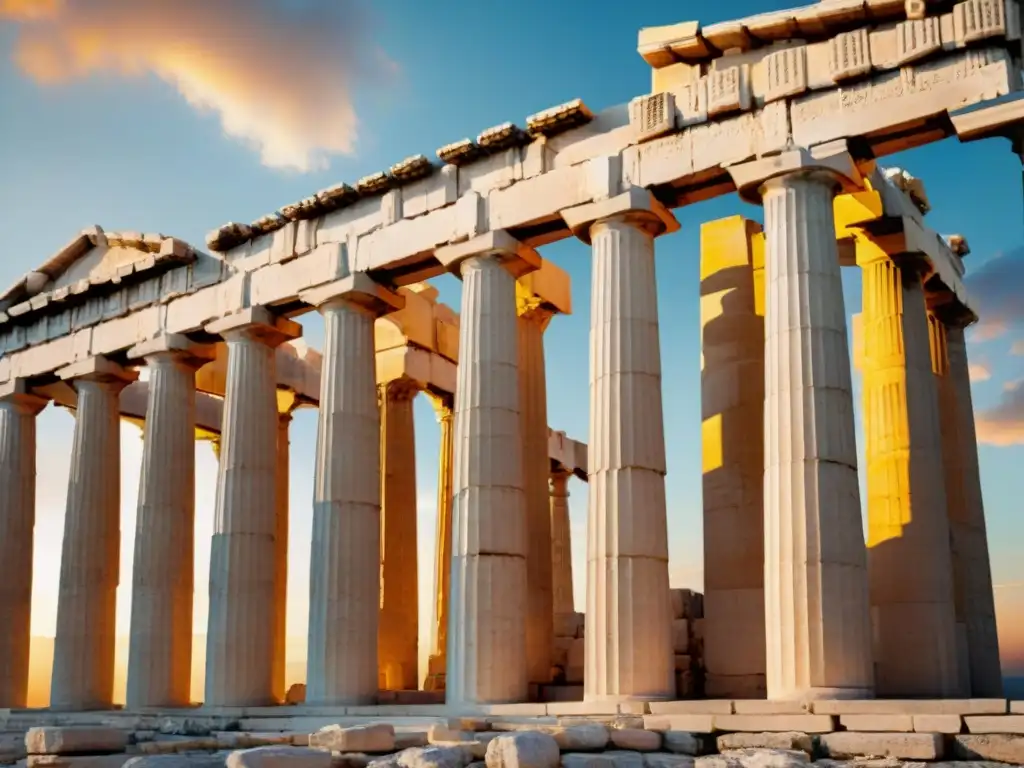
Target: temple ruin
794,110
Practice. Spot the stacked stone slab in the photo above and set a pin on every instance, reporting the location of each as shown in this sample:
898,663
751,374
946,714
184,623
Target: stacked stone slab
71,747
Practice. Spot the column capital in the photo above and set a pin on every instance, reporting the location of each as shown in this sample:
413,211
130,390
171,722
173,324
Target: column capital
287,402
543,293
358,290
402,388
444,406
636,206
175,346
516,257
560,481
18,394
257,323
831,162
99,369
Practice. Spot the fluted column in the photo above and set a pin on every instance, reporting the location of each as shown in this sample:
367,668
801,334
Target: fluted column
732,410
344,591
534,316
561,544
972,573
398,634
442,548
18,410
487,617
285,406
160,639
909,560
243,555
818,633
83,651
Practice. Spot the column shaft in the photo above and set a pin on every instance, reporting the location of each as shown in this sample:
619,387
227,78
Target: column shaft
909,561
243,555
628,639
160,641
83,652
732,405
344,592
486,640
284,421
398,634
18,412
540,631
972,573
561,545
818,630
442,548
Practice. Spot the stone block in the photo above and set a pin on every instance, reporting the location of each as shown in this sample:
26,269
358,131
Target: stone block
701,707
1003,748
975,20
787,740
378,737
906,746
523,750
995,723
803,723
77,761
680,635
688,723
664,760
638,739
51,740
917,39
729,90
211,760
910,707
849,55
938,723
682,742
901,723
653,116
431,757
764,707
576,738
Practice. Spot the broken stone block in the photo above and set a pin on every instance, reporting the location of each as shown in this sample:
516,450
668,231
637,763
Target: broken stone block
580,737
1001,747
768,758
177,761
527,749
279,757
434,757
375,738
788,740
636,739
908,746
51,740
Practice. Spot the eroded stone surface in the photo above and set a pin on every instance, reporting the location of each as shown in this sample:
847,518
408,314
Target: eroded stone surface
523,750
378,737
279,757
50,740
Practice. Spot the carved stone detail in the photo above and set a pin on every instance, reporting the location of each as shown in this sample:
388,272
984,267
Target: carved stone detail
917,39
729,90
978,19
653,116
849,55
787,73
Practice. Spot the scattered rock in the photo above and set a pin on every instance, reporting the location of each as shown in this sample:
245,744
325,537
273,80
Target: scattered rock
296,694
627,721
51,740
349,760
1002,747
204,760
279,757
77,761
528,749
769,758
434,757
575,738
718,761
911,746
408,739
636,739
612,759
682,742
784,740
667,760
376,738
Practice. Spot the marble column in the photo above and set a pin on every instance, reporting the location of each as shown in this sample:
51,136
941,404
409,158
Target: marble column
628,652
909,560
83,650
18,410
487,620
972,573
561,544
243,555
344,591
534,316
732,406
818,629
160,635
436,664
285,405
398,633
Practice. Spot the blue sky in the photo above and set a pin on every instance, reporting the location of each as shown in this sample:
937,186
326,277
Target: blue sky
119,146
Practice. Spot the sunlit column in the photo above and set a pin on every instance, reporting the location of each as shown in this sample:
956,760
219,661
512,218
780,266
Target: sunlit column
160,638
286,402
18,410
628,636
83,651
243,555
436,665
732,406
344,591
561,544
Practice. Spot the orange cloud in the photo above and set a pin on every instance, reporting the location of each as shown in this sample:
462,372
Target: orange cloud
281,79
979,372
1003,425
